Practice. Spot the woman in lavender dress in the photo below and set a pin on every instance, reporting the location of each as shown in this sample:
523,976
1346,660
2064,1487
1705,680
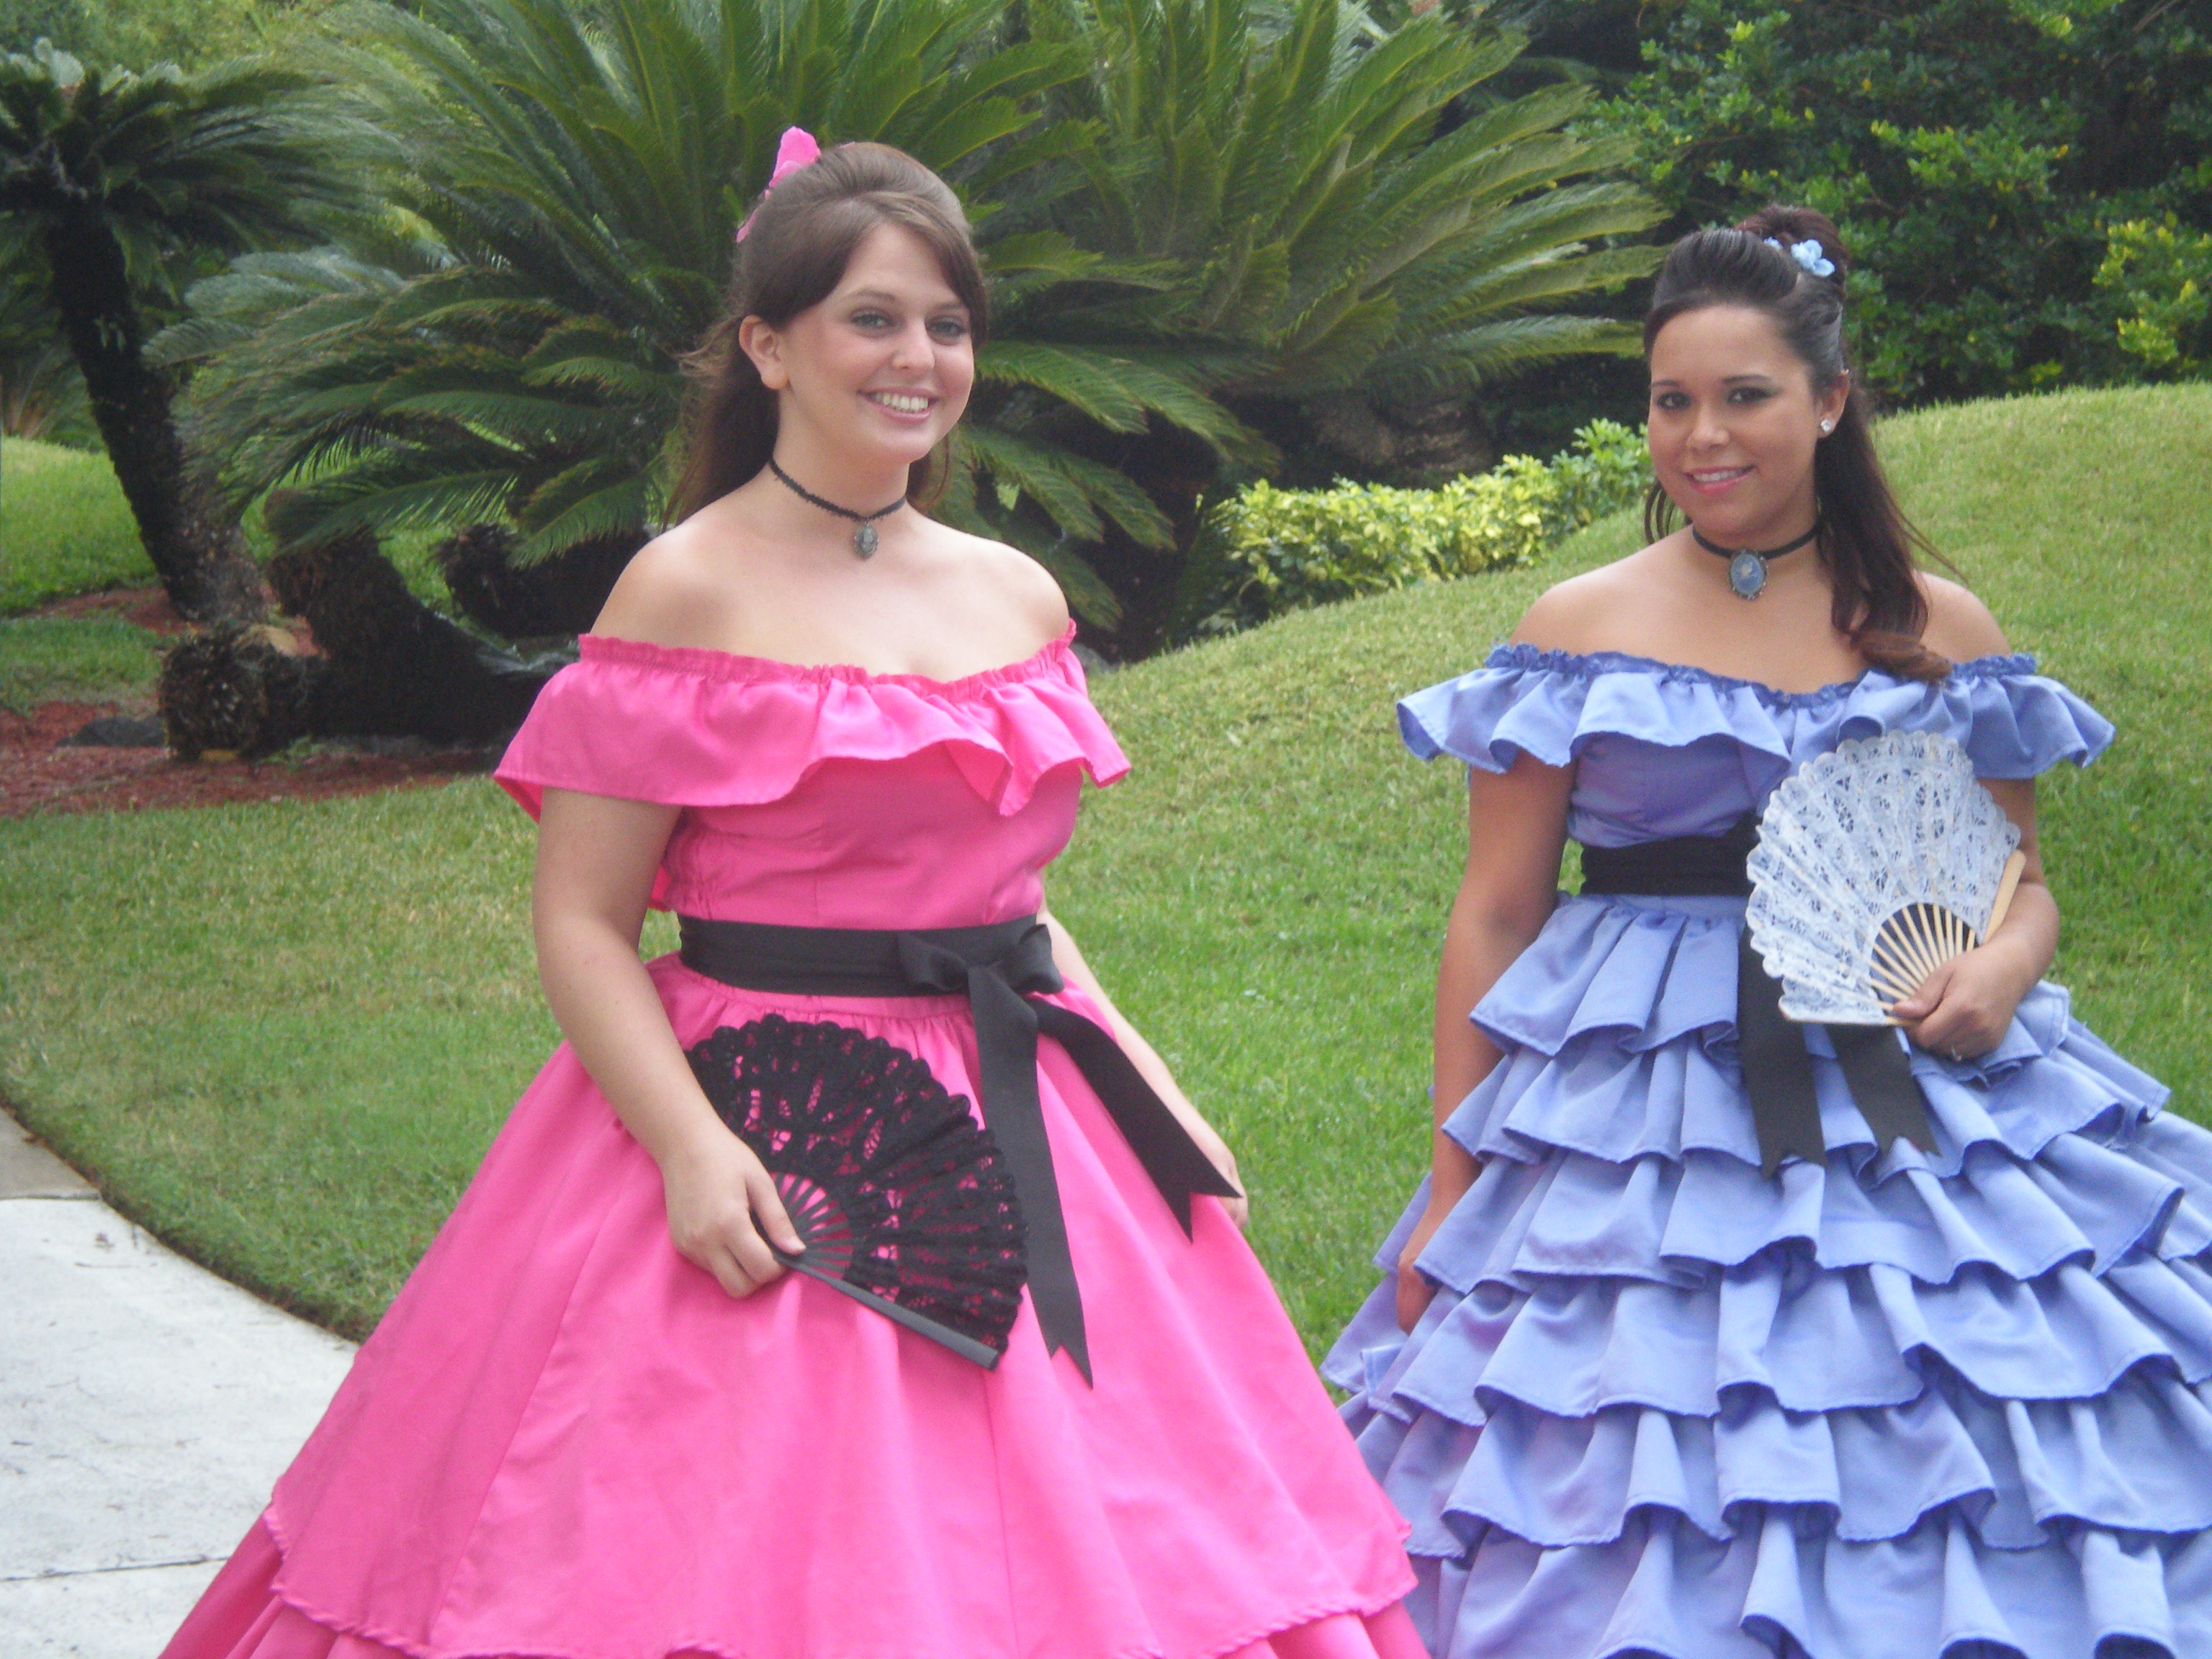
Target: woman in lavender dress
1655,1369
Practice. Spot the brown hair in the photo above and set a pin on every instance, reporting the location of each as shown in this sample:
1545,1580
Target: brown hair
1866,542
794,253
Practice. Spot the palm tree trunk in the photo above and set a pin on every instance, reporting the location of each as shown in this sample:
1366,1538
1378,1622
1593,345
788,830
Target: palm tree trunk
194,552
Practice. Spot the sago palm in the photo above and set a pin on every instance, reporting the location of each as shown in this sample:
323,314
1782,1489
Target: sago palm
106,178
1212,214
508,342
1328,208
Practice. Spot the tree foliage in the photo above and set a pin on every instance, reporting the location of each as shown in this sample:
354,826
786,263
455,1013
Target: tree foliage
1977,153
190,34
41,393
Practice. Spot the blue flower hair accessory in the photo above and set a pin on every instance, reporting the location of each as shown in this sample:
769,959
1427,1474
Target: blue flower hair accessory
1807,254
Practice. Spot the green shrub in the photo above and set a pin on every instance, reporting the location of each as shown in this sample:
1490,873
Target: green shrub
1972,152
1272,551
64,526
2162,275
142,33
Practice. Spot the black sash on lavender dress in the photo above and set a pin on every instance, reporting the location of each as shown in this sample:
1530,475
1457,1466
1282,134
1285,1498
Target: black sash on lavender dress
1777,1069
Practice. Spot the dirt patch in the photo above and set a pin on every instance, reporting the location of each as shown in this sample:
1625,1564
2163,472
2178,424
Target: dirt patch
39,776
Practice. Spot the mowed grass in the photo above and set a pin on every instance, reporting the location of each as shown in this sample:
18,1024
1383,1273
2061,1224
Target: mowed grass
75,659
64,526
66,530
281,1035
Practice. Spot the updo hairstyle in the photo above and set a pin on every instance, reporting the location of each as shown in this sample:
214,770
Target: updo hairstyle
793,254
1866,541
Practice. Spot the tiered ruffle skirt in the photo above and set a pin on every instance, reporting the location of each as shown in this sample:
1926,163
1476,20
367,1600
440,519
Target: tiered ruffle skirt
1895,1407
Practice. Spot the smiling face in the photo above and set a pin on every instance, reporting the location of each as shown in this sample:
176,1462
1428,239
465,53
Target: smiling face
879,371
1734,423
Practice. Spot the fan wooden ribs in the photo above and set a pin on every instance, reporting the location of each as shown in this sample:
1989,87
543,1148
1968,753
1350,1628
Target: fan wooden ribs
1919,939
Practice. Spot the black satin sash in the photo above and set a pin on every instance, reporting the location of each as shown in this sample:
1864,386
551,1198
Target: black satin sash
1777,1069
1000,969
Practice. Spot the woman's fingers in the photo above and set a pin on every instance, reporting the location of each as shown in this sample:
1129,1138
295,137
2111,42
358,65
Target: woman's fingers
1961,1013
769,1213
1415,1293
1415,1289
752,1254
723,1211
1239,1207
729,1273
1924,1001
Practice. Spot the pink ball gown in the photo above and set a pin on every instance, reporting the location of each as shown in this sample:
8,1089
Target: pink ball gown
565,1442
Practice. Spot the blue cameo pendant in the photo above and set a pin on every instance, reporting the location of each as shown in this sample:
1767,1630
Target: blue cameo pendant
864,543
1746,574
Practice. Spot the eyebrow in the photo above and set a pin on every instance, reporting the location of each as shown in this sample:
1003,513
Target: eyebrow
882,297
1726,379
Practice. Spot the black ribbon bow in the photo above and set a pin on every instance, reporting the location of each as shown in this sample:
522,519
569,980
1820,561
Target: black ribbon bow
1778,1067
1004,969
1777,1073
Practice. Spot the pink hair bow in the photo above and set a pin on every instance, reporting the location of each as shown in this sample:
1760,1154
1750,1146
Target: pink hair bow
797,149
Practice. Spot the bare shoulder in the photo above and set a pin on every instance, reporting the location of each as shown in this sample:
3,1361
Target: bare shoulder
1584,613
1959,625
667,591
1009,576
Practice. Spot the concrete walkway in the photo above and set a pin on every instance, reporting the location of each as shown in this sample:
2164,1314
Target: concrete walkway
146,1407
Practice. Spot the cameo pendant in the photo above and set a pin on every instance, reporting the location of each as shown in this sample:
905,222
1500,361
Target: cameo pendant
1746,574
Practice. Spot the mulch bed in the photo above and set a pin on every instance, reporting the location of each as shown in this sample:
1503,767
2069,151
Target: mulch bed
39,776
142,607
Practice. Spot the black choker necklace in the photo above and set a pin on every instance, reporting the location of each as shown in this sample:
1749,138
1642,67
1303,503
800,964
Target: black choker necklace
1747,566
864,532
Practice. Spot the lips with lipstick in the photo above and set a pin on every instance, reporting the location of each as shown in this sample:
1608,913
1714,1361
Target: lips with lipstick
1711,480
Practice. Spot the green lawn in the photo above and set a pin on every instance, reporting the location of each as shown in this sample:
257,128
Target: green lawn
65,530
75,659
64,526
281,1034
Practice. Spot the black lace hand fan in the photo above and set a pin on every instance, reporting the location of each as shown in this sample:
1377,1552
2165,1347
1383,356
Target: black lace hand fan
900,1196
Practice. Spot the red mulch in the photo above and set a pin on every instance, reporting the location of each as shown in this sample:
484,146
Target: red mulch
37,776
142,607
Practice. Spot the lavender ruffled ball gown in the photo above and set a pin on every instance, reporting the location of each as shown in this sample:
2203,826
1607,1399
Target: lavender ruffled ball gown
1895,1407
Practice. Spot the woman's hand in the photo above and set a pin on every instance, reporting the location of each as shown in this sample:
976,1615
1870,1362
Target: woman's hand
1415,1290
596,859
1964,1007
722,1203
1208,1140
1239,1209
1149,1066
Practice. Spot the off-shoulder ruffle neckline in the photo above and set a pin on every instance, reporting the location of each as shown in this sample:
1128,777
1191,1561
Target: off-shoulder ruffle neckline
712,664
1591,664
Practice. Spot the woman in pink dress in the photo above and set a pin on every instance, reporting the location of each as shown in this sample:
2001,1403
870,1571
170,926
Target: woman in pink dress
1030,1396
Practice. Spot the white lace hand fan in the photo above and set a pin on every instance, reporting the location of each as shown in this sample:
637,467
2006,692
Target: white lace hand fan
1875,865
